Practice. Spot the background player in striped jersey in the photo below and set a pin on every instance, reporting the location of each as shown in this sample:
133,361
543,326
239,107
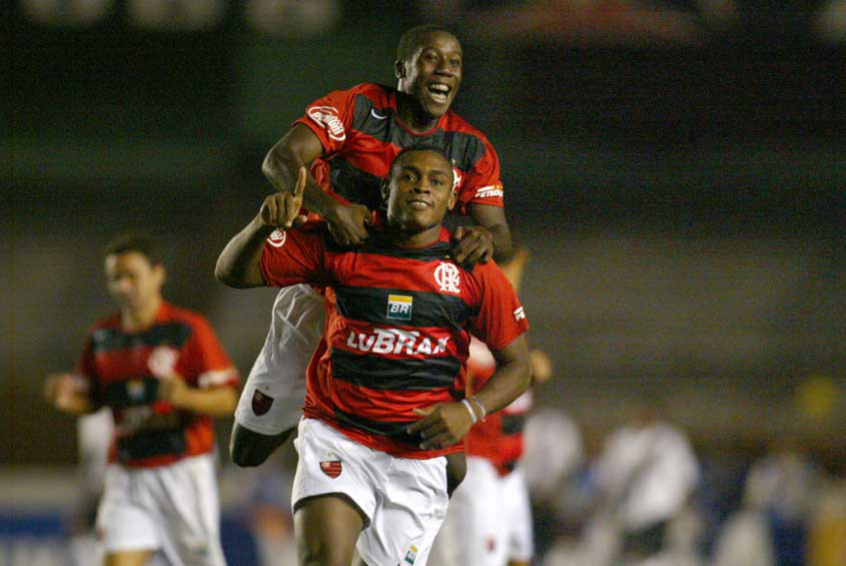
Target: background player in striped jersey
490,519
385,387
349,139
164,375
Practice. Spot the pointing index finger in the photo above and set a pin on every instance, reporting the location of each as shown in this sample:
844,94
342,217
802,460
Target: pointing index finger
302,175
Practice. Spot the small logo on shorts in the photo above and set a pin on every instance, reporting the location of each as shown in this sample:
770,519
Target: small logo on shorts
261,403
399,307
331,466
411,555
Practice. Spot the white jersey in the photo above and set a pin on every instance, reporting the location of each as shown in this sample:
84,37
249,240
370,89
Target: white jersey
273,396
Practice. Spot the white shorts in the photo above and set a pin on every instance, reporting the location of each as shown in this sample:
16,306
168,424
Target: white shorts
173,509
489,520
273,396
404,500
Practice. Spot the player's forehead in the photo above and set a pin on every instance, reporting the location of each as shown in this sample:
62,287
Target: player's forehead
130,260
439,40
423,161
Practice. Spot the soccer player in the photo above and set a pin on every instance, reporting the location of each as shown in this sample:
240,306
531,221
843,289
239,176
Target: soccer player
350,138
385,388
164,375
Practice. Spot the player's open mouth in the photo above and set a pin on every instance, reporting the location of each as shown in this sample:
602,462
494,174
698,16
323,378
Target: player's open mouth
439,92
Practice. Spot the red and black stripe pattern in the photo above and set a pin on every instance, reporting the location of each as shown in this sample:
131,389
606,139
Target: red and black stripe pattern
361,136
397,332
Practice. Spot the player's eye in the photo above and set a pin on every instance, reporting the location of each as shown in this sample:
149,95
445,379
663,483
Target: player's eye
456,63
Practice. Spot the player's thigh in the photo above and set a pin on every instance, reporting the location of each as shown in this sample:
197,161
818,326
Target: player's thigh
326,528
128,558
186,496
410,511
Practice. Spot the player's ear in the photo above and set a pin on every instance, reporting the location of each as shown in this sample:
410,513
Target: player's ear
399,69
160,273
386,189
453,196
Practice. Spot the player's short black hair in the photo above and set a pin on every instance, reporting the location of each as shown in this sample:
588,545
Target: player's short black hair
410,40
419,147
135,241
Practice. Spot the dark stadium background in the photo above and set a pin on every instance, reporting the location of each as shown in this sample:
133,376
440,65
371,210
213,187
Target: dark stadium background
683,204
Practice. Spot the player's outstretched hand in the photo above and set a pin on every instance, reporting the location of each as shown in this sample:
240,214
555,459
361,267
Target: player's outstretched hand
442,425
472,245
282,210
348,223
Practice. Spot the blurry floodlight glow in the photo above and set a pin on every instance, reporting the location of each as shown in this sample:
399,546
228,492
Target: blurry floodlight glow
176,15
817,397
830,21
66,12
293,18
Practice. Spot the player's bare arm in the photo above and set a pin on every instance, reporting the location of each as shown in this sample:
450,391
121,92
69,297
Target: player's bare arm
69,393
298,148
238,264
217,402
445,424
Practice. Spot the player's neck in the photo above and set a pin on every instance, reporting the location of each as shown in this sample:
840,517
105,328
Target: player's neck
419,238
141,318
411,114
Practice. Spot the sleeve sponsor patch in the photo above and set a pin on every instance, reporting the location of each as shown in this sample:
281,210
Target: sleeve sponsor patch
328,119
491,191
277,238
519,314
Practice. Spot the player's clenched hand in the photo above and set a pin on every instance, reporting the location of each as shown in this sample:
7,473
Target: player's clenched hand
282,210
173,390
472,245
442,425
62,389
348,223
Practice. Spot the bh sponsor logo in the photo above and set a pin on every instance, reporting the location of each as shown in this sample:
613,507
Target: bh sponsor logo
395,341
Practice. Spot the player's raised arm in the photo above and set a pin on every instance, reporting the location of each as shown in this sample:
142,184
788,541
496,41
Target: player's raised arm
238,264
298,148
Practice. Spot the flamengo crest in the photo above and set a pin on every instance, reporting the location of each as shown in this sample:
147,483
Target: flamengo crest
448,277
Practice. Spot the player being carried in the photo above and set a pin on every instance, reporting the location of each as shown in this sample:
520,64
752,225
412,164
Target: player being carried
385,399
349,139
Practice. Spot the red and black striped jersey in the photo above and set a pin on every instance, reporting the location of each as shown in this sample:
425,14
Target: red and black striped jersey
499,439
124,368
397,333
361,136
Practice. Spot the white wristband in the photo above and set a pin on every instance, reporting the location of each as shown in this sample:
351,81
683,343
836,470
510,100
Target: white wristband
481,407
473,416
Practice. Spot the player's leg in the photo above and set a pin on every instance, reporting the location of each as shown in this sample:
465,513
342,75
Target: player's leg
333,493
128,558
409,512
326,528
248,448
128,530
271,402
476,517
518,511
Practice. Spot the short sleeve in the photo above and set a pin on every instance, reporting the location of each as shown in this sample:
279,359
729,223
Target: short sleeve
331,118
204,363
482,184
501,317
293,256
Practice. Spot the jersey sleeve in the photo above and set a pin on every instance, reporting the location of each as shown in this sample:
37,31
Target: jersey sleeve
204,363
293,256
501,317
330,118
482,183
